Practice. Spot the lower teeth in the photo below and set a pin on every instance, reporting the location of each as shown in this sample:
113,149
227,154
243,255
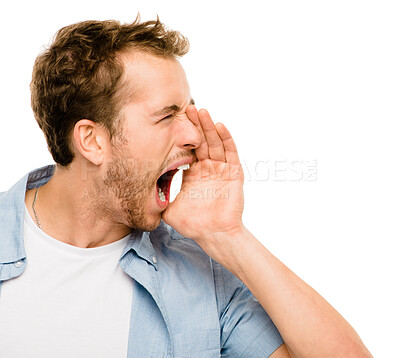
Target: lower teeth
161,195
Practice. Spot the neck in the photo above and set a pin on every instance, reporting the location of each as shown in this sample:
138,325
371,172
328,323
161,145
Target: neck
69,210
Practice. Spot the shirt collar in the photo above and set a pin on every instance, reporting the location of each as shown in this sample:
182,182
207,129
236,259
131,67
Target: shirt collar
141,244
12,208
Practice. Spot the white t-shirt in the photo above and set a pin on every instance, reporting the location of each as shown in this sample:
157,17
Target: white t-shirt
69,302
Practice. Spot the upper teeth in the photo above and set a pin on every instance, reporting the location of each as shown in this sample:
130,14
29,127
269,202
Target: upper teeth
184,166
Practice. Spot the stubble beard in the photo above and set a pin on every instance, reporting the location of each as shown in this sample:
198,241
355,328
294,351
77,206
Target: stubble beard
130,187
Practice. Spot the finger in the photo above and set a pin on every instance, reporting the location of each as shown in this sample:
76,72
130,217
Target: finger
216,149
201,151
231,153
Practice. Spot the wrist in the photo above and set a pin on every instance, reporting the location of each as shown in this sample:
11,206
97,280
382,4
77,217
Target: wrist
231,248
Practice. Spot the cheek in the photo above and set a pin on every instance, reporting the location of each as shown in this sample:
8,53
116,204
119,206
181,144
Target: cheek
148,143
153,152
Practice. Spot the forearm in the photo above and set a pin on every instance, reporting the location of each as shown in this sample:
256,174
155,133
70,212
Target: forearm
308,324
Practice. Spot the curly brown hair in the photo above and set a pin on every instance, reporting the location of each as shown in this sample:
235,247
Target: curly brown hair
80,75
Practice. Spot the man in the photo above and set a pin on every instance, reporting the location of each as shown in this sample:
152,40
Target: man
95,261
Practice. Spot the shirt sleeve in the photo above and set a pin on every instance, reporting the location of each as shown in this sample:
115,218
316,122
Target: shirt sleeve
246,329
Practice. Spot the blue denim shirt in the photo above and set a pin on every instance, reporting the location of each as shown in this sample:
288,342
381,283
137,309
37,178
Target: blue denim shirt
185,305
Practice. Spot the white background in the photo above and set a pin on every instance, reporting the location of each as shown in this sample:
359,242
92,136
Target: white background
310,85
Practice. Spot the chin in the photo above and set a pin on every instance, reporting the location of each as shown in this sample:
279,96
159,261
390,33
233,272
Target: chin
148,224
154,225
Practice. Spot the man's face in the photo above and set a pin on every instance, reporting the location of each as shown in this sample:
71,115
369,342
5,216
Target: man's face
157,137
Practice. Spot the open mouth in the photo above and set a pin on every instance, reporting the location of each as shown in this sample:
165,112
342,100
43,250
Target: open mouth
164,184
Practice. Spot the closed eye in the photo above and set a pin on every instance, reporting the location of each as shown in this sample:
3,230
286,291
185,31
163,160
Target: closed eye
167,117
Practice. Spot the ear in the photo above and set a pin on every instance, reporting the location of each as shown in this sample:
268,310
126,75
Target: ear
91,140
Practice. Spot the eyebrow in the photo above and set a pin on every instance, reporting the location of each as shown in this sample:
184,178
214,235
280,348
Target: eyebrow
169,109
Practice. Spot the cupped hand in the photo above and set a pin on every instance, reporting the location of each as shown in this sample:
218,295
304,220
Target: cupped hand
211,197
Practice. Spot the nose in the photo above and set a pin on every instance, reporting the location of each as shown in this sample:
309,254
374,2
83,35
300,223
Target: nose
188,135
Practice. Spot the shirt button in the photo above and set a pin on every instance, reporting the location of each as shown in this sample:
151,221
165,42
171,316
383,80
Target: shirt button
154,259
18,263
